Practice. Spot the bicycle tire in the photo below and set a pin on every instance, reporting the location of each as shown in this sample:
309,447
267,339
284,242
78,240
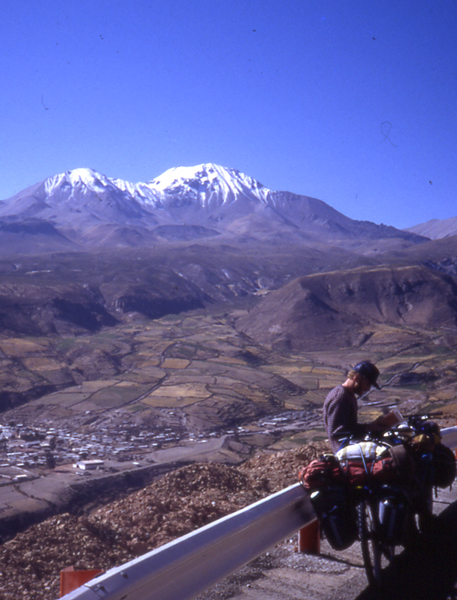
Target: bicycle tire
376,556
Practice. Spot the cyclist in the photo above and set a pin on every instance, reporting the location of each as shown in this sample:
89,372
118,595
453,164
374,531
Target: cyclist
340,406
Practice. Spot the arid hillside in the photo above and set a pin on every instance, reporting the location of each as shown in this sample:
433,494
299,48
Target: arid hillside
340,309
178,503
74,293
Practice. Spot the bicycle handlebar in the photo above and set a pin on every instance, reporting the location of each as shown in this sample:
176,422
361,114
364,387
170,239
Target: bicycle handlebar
412,421
437,413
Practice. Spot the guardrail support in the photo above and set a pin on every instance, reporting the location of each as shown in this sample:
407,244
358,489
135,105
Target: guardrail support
309,538
71,580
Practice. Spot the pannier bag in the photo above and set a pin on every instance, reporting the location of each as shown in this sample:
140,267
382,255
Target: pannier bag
336,516
321,472
328,470
329,483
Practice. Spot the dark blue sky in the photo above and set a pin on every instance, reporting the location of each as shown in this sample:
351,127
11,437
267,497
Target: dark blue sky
353,102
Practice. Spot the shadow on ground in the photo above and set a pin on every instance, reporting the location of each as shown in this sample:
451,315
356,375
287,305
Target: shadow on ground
427,571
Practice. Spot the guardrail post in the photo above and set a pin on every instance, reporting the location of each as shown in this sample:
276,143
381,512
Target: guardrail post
309,538
71,580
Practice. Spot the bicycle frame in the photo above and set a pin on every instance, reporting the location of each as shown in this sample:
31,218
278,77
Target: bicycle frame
391,515
384,514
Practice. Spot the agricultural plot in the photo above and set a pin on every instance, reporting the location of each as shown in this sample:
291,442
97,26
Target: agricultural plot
201,367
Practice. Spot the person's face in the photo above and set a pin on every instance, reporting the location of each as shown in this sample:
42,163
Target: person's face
362,385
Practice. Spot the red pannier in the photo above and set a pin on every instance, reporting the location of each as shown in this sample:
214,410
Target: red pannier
321,472
331,480
328,471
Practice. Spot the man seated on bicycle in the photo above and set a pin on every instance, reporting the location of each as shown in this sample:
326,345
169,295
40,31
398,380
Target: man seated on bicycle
340,406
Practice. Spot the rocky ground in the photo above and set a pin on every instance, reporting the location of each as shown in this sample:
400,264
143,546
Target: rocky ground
178,503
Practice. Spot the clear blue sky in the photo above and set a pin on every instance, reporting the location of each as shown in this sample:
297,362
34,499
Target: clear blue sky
353,102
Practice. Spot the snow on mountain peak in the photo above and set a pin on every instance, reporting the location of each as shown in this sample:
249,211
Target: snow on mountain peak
204,172
86,177
205,184
207,180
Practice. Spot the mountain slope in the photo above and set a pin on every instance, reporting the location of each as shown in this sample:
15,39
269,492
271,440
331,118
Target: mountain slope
340,309
77,199
436,228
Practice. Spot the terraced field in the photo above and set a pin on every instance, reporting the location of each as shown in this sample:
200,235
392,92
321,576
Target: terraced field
198,373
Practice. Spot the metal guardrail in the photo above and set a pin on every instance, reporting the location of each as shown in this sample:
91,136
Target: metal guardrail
189,565
450,437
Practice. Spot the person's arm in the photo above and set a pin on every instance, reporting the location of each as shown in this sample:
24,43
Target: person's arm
343,418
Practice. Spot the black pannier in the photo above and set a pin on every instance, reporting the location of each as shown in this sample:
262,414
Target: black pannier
336,515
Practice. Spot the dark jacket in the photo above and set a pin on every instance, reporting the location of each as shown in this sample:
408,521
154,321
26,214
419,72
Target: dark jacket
340,415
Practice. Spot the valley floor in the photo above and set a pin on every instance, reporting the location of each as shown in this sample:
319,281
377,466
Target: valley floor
155,395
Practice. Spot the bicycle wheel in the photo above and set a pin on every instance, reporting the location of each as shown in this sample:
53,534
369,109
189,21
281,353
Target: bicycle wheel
376,555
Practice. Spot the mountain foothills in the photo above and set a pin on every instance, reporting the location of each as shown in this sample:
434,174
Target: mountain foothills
344,308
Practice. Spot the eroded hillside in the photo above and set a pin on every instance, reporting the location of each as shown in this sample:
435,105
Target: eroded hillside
343,309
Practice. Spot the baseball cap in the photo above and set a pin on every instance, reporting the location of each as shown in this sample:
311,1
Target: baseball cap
368,370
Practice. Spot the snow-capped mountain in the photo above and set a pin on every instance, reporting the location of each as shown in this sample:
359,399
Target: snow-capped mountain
184,203
82,192
206,185
89,181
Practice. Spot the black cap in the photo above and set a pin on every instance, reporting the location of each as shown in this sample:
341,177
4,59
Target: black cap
369,371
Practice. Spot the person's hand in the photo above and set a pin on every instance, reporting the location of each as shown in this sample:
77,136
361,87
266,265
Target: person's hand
383,422
388,420
377,425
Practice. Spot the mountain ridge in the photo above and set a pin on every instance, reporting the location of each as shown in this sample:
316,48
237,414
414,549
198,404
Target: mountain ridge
178,204
342,309
436,229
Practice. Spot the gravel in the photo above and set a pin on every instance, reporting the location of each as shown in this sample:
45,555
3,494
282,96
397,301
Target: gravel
181,501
